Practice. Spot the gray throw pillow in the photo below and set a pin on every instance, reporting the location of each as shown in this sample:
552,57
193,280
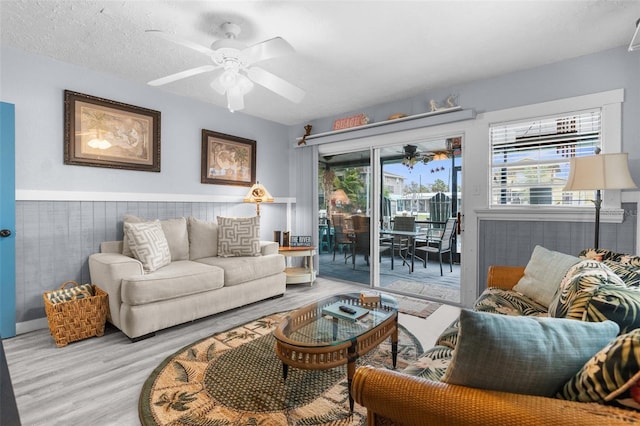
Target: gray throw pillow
525,355
203,239
543,274
238,236
175,231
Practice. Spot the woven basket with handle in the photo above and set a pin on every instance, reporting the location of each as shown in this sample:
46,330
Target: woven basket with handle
76,319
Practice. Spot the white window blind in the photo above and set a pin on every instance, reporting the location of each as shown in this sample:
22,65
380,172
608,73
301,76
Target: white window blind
530,158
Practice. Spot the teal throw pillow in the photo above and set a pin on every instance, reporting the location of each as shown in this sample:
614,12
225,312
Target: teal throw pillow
543,274
525,355
612,376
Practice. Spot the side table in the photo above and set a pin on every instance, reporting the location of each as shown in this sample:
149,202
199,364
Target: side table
304,274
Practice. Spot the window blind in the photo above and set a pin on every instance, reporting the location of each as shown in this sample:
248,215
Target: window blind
530,158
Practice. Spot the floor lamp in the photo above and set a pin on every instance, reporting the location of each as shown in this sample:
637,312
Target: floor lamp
258,194
598,172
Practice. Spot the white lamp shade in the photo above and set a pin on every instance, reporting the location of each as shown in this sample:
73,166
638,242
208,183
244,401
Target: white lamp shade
602,171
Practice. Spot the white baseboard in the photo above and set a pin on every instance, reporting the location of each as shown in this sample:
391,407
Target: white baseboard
33,325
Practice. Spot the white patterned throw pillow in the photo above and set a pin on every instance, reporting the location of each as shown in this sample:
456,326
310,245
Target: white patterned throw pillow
238,236
148,244
175,231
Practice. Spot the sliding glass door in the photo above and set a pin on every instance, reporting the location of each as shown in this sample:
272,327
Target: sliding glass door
344,188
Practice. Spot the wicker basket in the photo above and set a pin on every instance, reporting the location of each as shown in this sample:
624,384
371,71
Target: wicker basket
76,319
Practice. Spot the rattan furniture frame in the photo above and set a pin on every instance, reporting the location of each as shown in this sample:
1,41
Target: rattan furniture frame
309,340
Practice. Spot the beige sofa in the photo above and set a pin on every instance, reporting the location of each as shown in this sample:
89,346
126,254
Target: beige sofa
198,281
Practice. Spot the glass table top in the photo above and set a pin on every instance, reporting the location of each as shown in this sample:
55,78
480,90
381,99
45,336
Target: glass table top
323,324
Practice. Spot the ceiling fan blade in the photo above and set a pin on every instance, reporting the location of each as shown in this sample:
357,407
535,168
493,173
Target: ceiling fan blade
276,84
175,39
235,99
267,49
182,74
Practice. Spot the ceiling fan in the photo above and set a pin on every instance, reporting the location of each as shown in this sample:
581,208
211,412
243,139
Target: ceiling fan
237,65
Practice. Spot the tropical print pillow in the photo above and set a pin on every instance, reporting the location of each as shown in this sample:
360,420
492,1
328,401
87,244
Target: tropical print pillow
592,292
626,266
608,255
586,275
612,376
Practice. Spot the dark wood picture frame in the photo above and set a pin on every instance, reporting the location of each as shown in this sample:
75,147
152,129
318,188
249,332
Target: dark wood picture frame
104,133
227,159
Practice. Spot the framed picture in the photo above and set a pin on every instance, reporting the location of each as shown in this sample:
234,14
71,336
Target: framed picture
227,160
103,133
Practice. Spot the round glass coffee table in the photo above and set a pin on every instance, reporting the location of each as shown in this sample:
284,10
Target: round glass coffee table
320,336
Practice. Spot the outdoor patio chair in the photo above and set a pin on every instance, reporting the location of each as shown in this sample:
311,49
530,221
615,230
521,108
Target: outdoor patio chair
341,236
401,244
440,245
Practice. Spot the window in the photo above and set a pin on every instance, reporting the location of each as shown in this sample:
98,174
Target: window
530,158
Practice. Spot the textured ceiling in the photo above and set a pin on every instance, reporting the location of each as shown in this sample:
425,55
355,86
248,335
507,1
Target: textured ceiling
349,54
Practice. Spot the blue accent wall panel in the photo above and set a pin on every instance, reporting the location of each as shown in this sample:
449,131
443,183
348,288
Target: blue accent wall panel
7,221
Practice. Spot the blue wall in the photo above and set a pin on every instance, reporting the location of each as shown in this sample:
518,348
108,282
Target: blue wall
36,84
607,70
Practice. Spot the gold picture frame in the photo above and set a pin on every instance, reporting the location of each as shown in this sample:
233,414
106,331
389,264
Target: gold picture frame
227,159
104,133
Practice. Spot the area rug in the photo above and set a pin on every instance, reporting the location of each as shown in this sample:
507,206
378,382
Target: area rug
235,378
433,290
416,307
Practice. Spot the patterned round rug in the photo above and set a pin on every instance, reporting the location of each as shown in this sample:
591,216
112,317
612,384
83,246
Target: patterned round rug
235,378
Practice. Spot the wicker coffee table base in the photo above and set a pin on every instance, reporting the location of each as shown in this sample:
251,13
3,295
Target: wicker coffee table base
325,356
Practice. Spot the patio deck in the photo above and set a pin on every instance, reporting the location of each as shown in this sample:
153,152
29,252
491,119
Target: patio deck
422,282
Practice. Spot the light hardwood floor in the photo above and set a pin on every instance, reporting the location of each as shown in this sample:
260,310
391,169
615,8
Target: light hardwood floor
97,381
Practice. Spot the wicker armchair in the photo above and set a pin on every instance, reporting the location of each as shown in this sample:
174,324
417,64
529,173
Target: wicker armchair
394,398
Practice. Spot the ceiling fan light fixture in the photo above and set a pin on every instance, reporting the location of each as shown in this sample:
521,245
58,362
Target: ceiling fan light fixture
229,79
410,159
243,84
237,61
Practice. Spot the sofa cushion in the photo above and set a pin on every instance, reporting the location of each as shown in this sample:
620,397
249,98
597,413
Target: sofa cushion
179,278
432,364
238,236
526,355
238,270
612,376
148,244
592,292
203,238
543,274
508,302
449,337
175,231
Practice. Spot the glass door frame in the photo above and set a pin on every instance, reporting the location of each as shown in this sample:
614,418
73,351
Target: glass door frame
375,145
